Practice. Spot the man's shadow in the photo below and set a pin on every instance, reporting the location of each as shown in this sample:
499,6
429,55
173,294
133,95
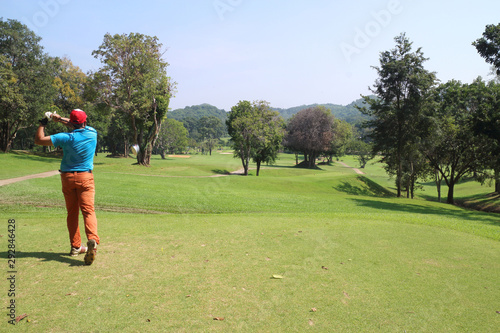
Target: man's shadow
48,256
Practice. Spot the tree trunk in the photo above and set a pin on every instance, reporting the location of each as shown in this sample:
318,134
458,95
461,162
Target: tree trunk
437,179
413,187
497,181
245,167
8,134
399,177
312,160
450,199
412,180
258,167
408,186
244,162
144,154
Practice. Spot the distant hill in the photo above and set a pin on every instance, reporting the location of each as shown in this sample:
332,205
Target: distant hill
348,112
197,112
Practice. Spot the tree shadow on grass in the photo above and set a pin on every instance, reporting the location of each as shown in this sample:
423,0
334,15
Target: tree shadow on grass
50,256
410,208
39,157
366,187
221,172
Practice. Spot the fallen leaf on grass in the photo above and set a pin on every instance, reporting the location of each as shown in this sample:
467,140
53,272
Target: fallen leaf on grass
346,295
325,268
148,320
311,323
314,310
498,312
21,317
276,276
219,318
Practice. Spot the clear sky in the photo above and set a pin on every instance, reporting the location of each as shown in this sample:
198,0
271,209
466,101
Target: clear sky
287,52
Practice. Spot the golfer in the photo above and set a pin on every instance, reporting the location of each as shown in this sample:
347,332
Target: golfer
76,176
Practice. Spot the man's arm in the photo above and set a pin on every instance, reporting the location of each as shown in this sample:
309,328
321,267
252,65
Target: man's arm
65,121
40,137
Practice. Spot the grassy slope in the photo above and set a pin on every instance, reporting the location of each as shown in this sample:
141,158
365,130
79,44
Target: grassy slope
388,264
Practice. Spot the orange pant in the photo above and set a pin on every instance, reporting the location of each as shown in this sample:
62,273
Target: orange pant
79,191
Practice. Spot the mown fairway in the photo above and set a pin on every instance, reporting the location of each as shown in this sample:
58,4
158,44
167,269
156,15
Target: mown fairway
180,247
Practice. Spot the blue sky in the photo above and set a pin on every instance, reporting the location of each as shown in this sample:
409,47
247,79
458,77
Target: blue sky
287,52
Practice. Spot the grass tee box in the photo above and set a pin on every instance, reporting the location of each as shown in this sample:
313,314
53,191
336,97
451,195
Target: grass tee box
194,248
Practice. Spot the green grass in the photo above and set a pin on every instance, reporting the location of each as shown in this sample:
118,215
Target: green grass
20,163
179,248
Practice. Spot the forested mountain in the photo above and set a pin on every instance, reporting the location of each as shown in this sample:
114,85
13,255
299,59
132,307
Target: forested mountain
348,112
197,112
344,112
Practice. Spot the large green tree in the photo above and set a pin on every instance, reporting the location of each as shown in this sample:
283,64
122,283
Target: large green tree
485,109
271,131
488,46
402,91
70,84
173,138
310,132
450,145
342,137
134,81
241,127
254,131
26,76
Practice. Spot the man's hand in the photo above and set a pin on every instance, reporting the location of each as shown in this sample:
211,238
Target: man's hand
55,117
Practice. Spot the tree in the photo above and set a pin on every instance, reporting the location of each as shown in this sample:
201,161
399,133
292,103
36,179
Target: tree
486,122
254,132
134,81
210,130
488,46
70,85
450,144
342,136
26,75
402,92
310,131
240,127
361,149
172,138
269,135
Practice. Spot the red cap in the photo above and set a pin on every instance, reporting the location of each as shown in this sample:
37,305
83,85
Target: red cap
77,116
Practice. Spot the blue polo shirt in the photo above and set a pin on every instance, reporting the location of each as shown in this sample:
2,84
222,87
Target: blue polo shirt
78,148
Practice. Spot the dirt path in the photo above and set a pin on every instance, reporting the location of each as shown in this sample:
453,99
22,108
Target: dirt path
37,175
359,172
